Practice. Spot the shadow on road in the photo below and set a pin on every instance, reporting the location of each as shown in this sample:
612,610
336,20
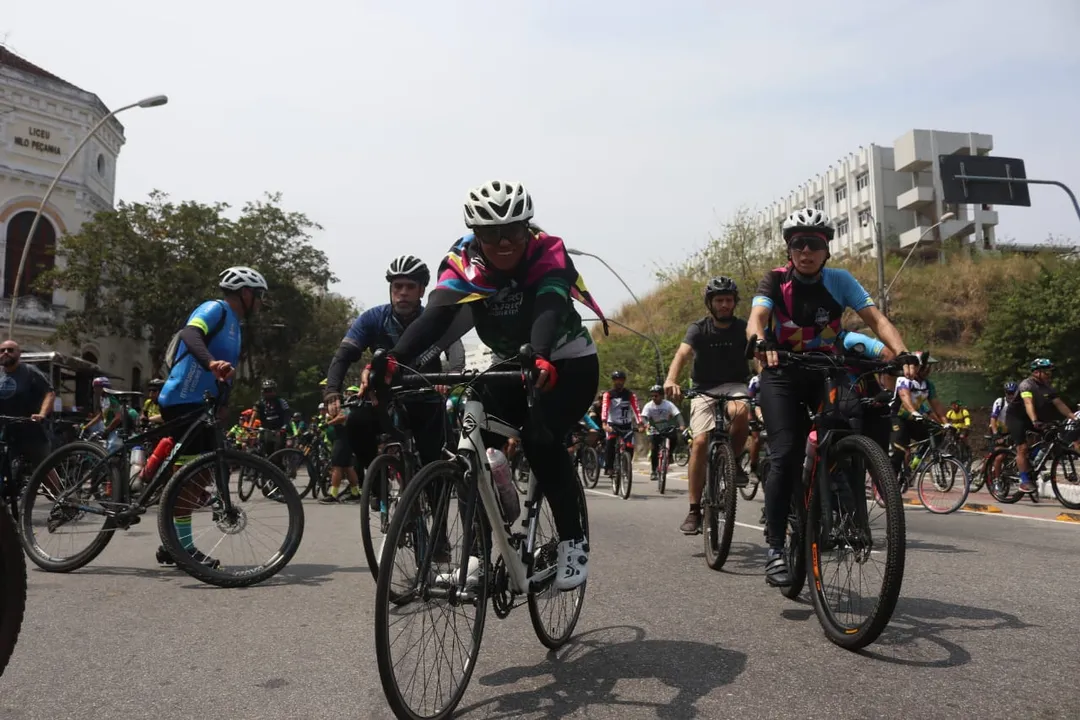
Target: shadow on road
587,671
303,574
916,635
918,545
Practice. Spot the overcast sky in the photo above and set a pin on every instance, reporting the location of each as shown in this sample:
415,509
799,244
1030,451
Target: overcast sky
637,126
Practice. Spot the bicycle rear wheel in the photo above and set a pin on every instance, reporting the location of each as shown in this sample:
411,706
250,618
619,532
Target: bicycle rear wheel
1005,483
846,541
718,504
590,467
750,490
419,600
942,485
12,586
554,614
383,480
296,466
1065,478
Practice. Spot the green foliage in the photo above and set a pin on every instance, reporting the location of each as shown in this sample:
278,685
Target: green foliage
1038,318
143,268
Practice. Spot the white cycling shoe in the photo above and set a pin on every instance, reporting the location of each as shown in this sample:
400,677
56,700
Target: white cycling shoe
573,564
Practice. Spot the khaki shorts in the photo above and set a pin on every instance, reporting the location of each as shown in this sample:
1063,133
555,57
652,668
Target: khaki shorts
703,409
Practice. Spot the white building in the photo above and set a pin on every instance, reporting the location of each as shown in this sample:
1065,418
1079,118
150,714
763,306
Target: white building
42,119
478,357
898,187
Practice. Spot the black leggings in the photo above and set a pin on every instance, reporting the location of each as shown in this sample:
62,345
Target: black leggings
560,409
783,396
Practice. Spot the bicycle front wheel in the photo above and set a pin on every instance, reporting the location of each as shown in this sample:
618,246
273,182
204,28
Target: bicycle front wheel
233,543
382,481
1065,478
943,485
853,535
718,504
750,490
554,614
12,586
590,466
661,470
428,625
296,467
627,469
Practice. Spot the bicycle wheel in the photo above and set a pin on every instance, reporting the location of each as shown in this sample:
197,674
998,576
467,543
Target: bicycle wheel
53,531
1003,486
291,461
718,504
383,480
682,453
848,537
554,614
1064,479
627,474
419,600
661,468
226,560
942,485
245,482
749,491
794,547
12,586
520,473
590,466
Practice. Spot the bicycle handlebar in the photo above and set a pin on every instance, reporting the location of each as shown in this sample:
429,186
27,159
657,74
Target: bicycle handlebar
828,361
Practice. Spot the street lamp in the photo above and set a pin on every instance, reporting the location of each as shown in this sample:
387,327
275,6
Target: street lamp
879,248
655,347
153,101
575,251
944,218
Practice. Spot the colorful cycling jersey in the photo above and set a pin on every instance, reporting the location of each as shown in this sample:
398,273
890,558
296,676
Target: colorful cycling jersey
502,305
960,418
189,380
922,392
998,411
589,423
806,315
662,417
378,328
619,408
752,386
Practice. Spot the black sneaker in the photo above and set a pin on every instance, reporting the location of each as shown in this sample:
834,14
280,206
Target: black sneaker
164,559
328,500
776,569
692,524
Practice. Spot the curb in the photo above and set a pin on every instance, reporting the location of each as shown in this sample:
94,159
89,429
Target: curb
913,501
1068,517
978,507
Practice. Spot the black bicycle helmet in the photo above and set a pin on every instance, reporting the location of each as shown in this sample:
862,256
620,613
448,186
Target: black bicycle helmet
618,375
720,286
269,385
655,389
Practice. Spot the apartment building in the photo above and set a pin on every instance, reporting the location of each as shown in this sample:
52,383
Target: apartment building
895,190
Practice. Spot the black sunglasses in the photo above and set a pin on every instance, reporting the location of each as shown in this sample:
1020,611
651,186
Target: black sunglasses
813,242
494,234
8,350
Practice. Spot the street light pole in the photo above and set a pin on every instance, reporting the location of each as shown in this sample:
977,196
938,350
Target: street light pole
655,347
879,249
153,101
944,218
574,251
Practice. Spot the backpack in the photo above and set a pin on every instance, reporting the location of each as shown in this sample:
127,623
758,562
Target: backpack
171,352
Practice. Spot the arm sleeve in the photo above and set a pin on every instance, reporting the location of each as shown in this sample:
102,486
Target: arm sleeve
345,356
194,338
424,331
634,407
863,344
549,311
455,356
604,407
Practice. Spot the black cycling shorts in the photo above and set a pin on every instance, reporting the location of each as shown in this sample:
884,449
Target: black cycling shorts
202,440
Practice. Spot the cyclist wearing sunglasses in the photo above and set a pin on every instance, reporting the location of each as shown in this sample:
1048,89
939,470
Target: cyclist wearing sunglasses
798,307
518,282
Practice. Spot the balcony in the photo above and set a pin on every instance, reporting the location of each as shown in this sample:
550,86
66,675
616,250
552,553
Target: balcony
916,150
915,198
31,310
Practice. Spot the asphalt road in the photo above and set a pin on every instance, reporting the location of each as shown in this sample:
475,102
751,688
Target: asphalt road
986,628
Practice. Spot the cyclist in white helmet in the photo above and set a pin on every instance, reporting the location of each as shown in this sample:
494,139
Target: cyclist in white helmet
208,351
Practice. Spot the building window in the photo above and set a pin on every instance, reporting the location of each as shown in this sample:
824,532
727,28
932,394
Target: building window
842,228
136,378
101,165
862,181
841,193
864,217
819,204
41,259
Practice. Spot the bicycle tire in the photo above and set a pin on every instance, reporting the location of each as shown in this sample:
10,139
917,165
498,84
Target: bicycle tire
590,466
661,469
30,495
627,472
794,547
554,642
277,458
375,470
1075,457
285,493
386,597
12,586
748,491
245,483
1002,493
722,497
924,473
877,464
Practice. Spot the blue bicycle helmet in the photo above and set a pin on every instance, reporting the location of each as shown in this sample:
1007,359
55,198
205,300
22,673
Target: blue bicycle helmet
1011,387
1041,364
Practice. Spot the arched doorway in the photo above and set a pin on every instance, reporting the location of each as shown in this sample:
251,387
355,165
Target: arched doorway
136,378
42,255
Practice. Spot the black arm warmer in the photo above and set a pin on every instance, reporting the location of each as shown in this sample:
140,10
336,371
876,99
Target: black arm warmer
548,312
424,332
195,341
346,355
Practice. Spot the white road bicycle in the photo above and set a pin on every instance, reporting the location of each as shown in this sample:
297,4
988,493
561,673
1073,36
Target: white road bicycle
437,569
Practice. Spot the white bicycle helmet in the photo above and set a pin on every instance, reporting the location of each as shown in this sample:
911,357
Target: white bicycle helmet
808,219
498,203
408,266
239,277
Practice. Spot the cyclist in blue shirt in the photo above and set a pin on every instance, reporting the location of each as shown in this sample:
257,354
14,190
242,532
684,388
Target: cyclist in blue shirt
209,350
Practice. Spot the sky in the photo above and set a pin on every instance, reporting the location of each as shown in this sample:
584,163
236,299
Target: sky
637,127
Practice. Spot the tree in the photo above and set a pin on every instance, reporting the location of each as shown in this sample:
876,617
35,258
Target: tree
143,267
1033,319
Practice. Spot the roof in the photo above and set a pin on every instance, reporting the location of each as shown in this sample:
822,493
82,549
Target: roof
12,60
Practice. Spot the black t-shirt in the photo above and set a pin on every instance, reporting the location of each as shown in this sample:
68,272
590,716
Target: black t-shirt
1042,395
272,413
719,353
23,390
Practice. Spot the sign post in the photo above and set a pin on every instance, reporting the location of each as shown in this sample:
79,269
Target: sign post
990,180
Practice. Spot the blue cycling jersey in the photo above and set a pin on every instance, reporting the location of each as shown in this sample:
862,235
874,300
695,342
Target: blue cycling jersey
189,381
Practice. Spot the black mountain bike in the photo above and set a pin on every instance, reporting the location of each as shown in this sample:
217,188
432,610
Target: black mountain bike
80,486
831,519
12,585
720,494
